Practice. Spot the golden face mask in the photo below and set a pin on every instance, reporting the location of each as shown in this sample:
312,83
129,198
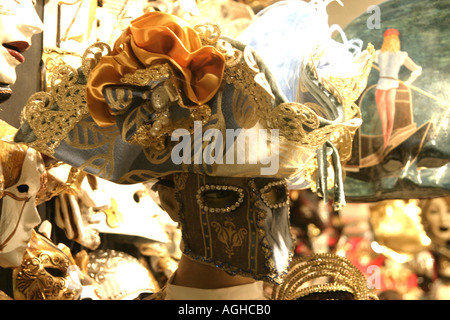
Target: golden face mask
47,273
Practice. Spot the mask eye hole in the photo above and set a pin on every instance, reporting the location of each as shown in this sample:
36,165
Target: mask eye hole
55,272
219,198
23,188
275,194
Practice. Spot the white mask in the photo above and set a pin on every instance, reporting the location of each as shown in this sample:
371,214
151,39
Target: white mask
18,23
18,211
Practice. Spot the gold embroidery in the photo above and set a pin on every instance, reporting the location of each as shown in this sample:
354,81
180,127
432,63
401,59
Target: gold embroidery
180,180
243,76
209,32
52,115
229,235
50,126
87,135
154,135
143,77
92,56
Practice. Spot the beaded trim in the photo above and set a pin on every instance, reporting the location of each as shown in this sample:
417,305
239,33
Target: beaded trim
233,207
304,273
267,187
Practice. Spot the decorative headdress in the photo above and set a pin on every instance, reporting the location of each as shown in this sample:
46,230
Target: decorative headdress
323,276
168,91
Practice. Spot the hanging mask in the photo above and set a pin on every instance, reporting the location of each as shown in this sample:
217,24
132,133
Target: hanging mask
48,272
435,217
18,23
397,229
22,175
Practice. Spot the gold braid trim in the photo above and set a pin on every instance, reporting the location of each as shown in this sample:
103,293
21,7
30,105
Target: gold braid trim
322,273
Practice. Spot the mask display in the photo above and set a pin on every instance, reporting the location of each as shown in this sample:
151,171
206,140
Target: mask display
18,23
170,99
92,205
165,144
238,224
47,272
21,177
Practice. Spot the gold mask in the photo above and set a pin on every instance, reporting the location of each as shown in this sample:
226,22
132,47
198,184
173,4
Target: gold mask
46,273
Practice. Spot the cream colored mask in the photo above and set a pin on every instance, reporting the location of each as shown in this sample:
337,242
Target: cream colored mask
436,219
21,174
48,272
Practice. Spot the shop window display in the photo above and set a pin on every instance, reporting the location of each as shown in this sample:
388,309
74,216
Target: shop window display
146,139
138,102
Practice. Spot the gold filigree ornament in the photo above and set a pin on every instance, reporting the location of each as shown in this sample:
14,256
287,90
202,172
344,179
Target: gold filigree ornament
159,99
323,276
345,90
53,114
228,234
46,272
208,31
55,57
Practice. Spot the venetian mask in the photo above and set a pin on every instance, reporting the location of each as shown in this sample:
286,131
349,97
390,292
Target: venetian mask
436,219
18,23
119,275
48,272
240,225
90,207
22,171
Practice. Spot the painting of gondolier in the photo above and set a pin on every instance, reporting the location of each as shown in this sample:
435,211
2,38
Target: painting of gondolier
390,58
401,149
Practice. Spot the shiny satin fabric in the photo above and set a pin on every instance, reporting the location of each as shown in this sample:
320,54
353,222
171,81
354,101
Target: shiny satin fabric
150,38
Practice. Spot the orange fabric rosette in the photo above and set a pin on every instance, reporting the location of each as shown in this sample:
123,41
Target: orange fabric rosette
151,37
